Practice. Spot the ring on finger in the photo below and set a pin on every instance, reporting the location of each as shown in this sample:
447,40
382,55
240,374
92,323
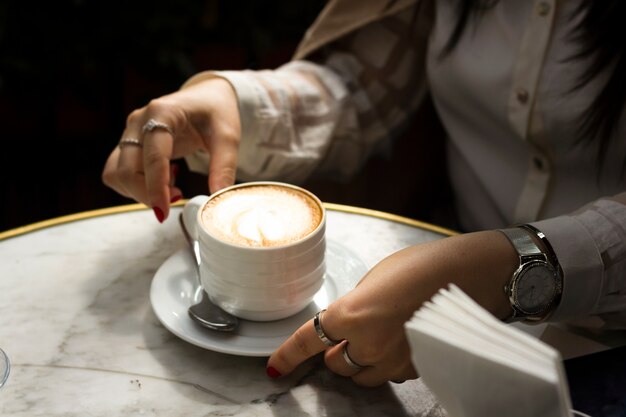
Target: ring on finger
130,142
317,323
352,364
153,124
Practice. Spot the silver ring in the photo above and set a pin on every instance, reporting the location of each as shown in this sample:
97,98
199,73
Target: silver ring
153,124
130,141
317,323
348,359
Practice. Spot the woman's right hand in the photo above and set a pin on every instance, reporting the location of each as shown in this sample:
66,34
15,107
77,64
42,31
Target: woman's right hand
203,116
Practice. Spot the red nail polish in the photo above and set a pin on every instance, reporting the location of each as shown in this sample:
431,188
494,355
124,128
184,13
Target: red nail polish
271,372
159,214
176,198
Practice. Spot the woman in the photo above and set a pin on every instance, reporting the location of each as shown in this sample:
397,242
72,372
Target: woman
532,101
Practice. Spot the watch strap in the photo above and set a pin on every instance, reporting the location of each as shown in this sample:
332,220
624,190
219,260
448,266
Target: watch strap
550,254
522,242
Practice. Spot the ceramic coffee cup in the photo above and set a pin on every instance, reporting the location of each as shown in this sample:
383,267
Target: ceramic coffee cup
262,247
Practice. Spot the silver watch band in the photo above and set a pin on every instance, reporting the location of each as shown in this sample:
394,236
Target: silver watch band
546,243
523,243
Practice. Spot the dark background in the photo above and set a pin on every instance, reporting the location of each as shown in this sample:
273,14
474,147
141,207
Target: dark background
72,70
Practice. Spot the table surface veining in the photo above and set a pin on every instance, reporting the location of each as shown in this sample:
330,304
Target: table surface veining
77,323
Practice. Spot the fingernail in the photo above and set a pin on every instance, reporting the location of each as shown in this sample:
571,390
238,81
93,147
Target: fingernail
271,372
159,214
176,198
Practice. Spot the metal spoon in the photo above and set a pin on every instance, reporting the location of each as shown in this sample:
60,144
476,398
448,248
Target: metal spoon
205,312
5,367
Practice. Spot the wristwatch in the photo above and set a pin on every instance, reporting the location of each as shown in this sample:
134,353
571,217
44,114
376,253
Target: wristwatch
537,284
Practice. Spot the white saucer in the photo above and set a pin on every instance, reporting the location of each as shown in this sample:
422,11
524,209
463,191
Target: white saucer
173,290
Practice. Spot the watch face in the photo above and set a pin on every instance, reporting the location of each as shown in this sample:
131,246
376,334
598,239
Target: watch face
535,287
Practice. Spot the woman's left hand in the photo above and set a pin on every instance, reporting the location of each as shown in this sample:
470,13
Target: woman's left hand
368,322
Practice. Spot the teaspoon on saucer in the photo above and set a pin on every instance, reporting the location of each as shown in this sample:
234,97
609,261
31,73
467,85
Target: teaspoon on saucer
205,312
5,367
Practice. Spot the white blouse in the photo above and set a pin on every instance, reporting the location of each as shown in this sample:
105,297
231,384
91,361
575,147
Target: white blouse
504,97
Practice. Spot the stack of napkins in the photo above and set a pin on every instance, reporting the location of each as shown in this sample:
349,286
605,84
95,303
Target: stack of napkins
475,365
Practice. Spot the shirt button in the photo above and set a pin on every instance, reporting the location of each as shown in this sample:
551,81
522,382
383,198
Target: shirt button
543,8
522,95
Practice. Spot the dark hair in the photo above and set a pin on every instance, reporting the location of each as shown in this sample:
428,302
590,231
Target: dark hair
601,34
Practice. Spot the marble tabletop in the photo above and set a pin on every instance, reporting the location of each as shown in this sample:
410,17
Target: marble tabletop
83,339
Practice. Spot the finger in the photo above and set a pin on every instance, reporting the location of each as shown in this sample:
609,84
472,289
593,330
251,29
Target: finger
223,148
396,367
370,377
157,152
123,171
335,361
124,168
109,173
130,173
300,346
175,192
374,376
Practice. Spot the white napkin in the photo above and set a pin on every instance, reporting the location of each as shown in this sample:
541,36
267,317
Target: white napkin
477,366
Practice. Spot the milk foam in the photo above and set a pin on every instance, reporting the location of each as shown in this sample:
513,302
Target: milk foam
261,216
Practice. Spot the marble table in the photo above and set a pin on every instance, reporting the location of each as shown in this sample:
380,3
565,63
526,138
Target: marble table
78,325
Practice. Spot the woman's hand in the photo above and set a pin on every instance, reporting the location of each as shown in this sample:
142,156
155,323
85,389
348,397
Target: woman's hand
203,116
369,321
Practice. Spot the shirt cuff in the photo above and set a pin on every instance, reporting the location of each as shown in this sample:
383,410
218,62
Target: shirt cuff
198,161
581,262
249,100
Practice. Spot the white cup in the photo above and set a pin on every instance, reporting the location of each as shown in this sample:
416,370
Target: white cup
262,247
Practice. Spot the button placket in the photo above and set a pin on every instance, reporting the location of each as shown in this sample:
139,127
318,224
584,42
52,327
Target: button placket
524,111
527,70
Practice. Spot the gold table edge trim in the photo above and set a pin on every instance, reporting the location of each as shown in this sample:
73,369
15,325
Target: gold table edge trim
56,221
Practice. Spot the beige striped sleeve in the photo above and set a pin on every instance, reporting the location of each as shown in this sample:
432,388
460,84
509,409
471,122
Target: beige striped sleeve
326,116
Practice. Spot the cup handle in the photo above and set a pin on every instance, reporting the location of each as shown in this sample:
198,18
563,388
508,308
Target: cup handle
190,213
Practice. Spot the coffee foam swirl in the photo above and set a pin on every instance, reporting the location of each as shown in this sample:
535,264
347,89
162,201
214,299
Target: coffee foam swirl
261,216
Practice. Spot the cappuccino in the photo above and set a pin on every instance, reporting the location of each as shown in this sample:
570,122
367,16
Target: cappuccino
262,216
262,247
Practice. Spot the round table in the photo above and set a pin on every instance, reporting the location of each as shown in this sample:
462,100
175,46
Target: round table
83,338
